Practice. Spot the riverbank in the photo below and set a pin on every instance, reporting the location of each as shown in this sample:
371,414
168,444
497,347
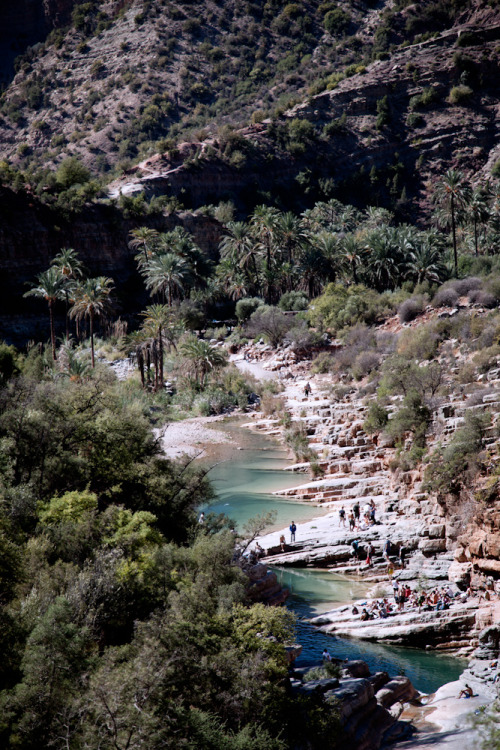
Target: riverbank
191,436
355,470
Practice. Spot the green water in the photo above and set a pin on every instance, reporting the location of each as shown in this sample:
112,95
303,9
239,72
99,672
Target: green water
314,591
243,481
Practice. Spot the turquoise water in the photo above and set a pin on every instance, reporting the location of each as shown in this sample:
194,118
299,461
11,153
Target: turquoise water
243,481
314,591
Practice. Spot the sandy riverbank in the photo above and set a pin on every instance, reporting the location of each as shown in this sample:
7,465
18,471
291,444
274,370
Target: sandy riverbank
191,436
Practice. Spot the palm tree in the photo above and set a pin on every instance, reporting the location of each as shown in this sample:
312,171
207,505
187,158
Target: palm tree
240,248
92,300
424,262
291,235
49,286
351,253
71,268
156,319
314,269
477,212
203,358
145,238
450,195
387,248
166,274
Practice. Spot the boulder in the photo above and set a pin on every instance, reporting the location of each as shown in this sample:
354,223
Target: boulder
356,668
437,531
432,546
459,573
399,689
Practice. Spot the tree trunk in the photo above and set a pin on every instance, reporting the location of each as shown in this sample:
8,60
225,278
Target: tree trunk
92,339
160,342
67,317
52,331
454,234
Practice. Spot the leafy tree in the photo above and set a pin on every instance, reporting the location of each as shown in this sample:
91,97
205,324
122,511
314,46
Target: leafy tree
270,322
72,172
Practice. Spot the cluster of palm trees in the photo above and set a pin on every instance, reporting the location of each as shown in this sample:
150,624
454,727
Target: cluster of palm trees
275,252
474,210
85,298
170,263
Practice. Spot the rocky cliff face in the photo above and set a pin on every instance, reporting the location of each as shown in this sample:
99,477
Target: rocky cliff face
25,23
31,234
425,129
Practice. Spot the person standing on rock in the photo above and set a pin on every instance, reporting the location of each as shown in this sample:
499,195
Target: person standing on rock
352,521
355,510
387,550
369,555
342,516
293,529
307,390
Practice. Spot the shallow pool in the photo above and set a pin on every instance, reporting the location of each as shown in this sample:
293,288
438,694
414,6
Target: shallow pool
243,481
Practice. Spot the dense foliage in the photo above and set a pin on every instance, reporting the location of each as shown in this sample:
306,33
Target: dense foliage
124,622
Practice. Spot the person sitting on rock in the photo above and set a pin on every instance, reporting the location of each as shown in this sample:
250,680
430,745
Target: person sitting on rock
326,655
364,615
466,692
355,610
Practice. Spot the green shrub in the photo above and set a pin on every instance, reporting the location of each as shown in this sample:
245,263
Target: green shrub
337,21
328,669
72,172
424,99
323,363
495,170
460,94
339,307
376,418
246,307
448,468
293,300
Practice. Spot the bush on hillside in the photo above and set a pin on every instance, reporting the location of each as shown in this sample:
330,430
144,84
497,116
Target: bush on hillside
246,307
445,297
485,299
293,300
410,309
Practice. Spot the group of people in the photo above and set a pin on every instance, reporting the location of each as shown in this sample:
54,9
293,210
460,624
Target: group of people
354,518
437,599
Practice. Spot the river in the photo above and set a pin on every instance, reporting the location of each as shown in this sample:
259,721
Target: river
248,471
